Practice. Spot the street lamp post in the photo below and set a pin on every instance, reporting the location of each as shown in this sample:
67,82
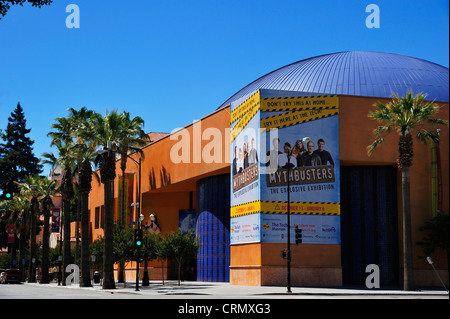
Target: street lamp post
289,224
138,250
145,278
138,214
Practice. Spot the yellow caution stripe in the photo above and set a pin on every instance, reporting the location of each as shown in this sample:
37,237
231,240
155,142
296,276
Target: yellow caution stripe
304,208
244,121
296,117
245,209
245,107
298,102
280,207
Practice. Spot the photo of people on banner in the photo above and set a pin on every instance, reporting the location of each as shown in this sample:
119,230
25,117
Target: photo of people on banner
300,156
311,152
245,164
244,156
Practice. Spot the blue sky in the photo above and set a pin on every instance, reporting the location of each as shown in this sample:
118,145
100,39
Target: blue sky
172,62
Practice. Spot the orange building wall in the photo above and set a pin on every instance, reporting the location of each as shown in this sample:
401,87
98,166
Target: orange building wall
168,187
353,142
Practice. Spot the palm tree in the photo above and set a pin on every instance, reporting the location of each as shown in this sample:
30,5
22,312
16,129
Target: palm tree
30,188
131,135
48,189
107,131
405,115
85,151
63,140
79,120
20,217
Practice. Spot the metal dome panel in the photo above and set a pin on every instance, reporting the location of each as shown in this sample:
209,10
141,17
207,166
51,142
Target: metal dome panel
362,73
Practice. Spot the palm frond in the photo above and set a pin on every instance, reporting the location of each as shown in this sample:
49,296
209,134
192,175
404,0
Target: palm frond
375,144
382,130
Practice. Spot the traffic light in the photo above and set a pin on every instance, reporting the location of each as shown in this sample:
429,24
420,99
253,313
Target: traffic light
6,192
298,235
138,237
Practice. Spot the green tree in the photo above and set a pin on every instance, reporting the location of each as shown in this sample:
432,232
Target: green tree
84,151
61,136
181,247
107,131
17,212
123,248
115,133
405,115
16,152
436,238
30,189
149,253
131,136
162,251
5,5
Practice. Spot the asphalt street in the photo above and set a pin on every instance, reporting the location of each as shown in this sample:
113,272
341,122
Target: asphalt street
206,290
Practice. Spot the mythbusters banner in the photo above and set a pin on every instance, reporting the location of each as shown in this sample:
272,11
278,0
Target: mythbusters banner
276,136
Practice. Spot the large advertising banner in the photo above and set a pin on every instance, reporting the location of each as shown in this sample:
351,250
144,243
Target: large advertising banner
278,136
245,142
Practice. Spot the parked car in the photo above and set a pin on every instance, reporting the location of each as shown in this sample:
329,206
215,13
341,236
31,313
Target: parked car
11,276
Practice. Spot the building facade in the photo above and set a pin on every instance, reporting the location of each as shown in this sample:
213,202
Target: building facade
214,176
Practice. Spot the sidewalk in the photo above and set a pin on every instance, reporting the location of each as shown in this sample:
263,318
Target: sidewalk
220,290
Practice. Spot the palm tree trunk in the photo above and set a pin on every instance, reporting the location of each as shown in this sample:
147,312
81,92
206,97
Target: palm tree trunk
408,272
13,262
77,227
67,256
32,266
85,269
45,249
122,225
67,196
22,243
108,261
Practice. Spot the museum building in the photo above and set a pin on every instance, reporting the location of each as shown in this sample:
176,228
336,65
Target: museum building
226,176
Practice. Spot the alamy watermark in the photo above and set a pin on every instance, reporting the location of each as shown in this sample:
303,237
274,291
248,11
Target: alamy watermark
74,276
373,279
212,145
73,19
373,19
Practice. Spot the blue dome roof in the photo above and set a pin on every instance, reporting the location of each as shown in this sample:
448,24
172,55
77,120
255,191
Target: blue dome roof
361,73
